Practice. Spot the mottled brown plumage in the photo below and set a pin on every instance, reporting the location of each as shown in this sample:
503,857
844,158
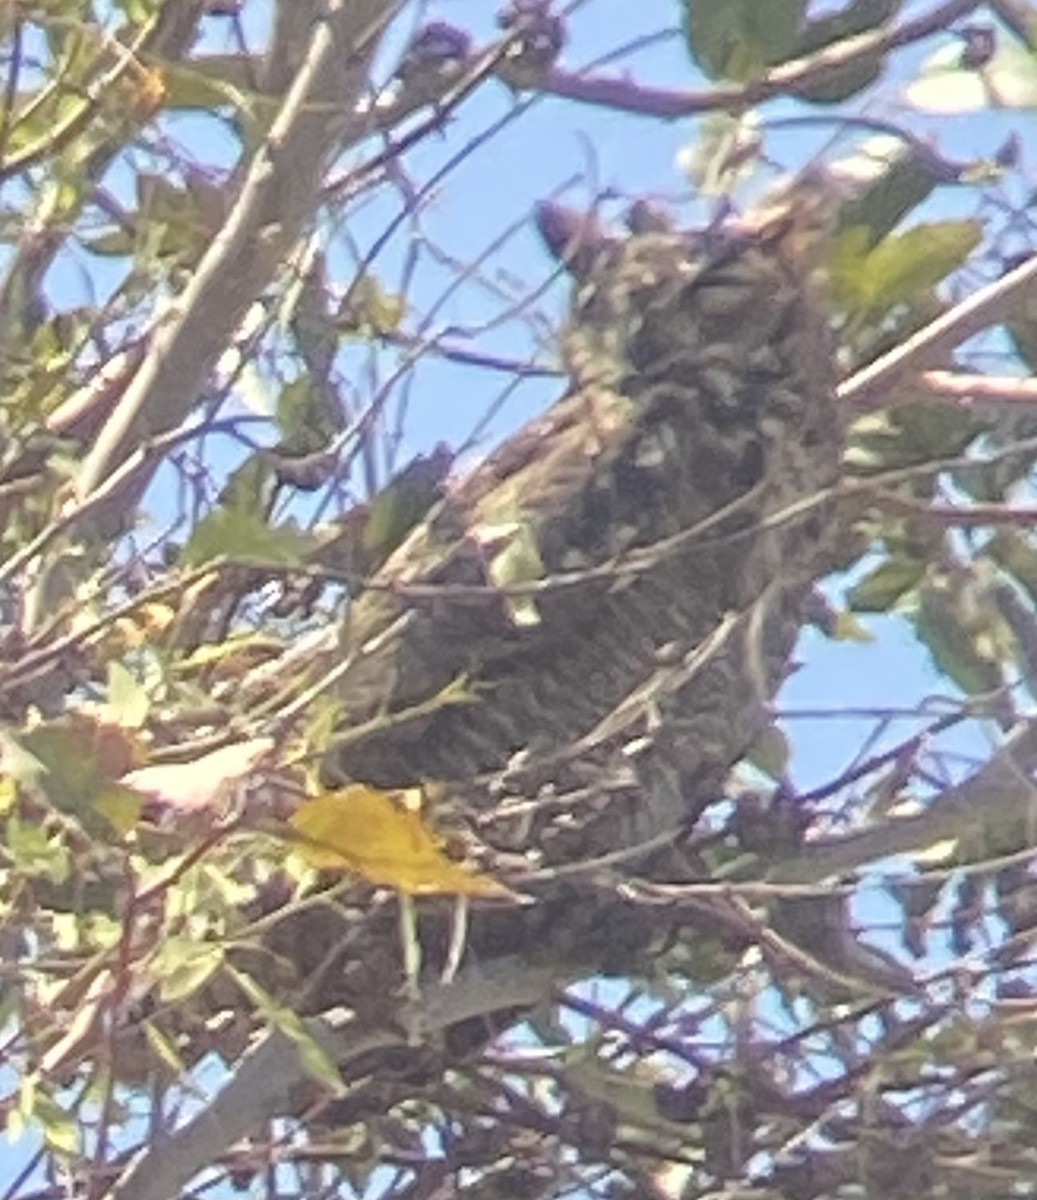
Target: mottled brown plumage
653,506
671,498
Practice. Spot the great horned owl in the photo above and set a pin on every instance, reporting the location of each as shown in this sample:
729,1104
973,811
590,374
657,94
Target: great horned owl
660,526
622,580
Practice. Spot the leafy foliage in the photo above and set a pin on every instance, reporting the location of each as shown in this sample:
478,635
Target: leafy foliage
251,355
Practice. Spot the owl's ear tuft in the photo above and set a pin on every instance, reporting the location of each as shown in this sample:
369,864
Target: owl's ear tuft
575,238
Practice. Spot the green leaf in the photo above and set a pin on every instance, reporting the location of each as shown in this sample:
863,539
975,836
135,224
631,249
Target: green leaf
900,177
77,759
836,84
849,20
128,700
315,1060
305,310
117,243
740,39
881,588
514,559
8,794
1015,553
36,852
308,418
45,114
120,806
360,541
770,753
846,628
956,627
214,81
246,537
403,502
840,83
138,12
847,260
369,311
171,222
869,282
61,1133
252,486
183,965
909,435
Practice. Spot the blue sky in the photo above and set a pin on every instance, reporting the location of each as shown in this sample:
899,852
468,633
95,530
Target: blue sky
531,157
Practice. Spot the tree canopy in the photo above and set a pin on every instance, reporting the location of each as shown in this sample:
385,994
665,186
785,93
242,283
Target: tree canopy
438,450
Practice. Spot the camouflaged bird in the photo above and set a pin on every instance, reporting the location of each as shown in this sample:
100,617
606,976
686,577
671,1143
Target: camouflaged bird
621,583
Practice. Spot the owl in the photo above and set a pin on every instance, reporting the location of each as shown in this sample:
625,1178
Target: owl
622,580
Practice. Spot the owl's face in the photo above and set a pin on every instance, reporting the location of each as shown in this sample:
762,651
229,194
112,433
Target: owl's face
661,304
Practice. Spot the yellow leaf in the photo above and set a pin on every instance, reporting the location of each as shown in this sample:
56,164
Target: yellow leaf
374,835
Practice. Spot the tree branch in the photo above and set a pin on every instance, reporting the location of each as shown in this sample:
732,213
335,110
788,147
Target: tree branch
870,387
56,209
623,94
280,193
996,794
260,1087
986,392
